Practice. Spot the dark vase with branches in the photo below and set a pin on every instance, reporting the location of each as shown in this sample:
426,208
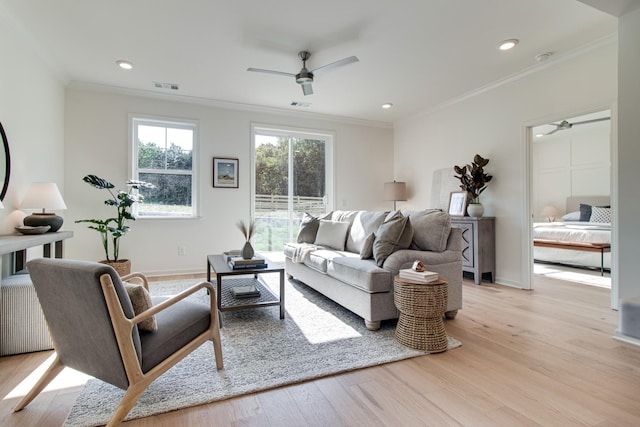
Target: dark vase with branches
113,228
473,180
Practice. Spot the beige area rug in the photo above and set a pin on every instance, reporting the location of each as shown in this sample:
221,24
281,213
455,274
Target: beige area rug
261,351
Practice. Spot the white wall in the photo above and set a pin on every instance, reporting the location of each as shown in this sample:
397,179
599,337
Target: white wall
493,124
31,112
571,163
628,212
96,142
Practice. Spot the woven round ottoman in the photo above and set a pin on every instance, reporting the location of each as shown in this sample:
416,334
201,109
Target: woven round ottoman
421,307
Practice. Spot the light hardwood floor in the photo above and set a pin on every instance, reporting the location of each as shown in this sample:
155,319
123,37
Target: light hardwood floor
542,357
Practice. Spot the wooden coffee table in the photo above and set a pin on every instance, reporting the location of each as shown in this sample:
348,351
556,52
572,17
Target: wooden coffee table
226,278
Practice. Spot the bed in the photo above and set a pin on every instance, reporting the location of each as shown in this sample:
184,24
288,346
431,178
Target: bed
581,239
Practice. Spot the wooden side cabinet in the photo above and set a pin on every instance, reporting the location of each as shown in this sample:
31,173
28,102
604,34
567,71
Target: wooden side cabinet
478,246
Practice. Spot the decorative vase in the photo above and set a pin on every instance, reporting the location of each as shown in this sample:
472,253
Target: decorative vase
122,266
247,251
475,210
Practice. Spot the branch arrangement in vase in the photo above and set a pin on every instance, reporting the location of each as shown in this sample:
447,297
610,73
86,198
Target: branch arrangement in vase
472,177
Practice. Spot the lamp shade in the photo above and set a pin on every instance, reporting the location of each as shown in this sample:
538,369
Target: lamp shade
396,191
550,212
43,195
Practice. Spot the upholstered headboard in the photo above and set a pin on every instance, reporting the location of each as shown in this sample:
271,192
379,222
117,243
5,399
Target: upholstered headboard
573,202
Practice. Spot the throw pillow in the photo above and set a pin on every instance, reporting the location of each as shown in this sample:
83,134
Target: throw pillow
308,229
367,247
141,301
599,214
431,229
332,234
585,212
395,233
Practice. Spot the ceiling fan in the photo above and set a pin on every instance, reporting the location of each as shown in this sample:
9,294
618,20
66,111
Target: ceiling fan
564,125
305,77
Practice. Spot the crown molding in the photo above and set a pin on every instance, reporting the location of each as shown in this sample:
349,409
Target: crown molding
535,68
227,105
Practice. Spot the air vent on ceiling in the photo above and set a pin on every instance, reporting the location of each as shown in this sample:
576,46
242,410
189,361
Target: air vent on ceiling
300,104
171,86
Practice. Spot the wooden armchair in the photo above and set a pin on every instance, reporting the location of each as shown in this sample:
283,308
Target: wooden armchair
95,330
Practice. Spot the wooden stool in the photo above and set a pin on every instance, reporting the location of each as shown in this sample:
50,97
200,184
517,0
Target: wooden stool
421,306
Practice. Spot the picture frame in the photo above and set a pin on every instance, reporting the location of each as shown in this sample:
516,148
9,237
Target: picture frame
457,203
225,172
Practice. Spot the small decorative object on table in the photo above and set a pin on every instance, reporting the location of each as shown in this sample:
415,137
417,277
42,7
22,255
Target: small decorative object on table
247,231
33,230
474,181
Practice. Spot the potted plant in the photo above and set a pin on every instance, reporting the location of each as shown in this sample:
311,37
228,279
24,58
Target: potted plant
474,181
113,228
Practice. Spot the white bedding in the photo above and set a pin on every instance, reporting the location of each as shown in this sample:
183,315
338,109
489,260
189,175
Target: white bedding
588,232
572,231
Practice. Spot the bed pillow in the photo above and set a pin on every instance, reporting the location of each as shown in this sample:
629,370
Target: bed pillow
572,216
602,215
332,234
585,212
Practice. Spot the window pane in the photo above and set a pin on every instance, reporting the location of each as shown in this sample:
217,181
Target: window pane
164,148
170,197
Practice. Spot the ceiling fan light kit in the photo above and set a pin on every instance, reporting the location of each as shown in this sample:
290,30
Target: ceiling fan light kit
305,77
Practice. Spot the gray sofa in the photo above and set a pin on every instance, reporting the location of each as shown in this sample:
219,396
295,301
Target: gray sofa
353,256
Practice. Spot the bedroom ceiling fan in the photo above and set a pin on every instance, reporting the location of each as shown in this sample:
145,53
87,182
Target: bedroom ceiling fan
305,77
564,125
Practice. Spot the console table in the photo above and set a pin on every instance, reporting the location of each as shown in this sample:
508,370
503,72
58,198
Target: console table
478,246
22,325
17,244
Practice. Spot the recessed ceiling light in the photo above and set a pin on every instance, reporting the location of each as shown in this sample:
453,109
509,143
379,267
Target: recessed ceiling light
508,44
125,65
387,105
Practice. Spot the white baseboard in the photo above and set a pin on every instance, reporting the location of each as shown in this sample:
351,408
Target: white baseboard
626,338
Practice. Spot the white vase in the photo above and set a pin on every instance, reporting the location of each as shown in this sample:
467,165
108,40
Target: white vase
475,210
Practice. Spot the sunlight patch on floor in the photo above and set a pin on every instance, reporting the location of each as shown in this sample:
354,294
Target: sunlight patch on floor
587,277
68,378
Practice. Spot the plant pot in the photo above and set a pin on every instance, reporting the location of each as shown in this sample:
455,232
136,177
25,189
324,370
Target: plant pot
247,251
475,210
122,266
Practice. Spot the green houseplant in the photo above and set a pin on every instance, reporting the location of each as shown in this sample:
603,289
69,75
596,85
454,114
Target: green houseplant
473,180
113,228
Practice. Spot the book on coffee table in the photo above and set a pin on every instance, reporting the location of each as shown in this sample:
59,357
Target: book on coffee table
418,276
247,291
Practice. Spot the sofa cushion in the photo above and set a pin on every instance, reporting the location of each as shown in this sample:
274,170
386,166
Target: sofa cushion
362,274
394,233
367,247
332,234
320,259
431,229
308,229
364,223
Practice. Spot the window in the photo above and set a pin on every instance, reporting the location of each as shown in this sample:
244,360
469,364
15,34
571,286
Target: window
292,174
163,153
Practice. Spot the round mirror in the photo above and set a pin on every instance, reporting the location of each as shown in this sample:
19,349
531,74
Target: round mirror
5,163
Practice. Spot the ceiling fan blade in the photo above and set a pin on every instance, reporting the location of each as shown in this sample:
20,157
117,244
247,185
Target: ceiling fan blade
552,132
334,65
279,73
601,119
307,89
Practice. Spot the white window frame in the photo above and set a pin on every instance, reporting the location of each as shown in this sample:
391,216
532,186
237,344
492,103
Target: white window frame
289,131
138,119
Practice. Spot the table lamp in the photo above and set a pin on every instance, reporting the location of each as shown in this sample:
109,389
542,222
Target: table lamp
43,195
550,213
396,191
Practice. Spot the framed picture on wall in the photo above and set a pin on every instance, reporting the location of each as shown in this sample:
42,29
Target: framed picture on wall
225,172
457,203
